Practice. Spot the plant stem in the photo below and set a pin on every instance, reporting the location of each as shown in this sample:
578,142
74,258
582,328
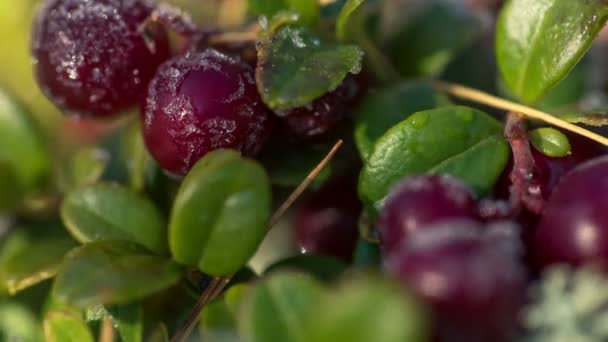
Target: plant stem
234,37
497,102
186,328
219,283
304,185
106,334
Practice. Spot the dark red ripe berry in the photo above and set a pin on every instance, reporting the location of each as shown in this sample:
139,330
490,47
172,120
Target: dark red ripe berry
201,102
474,285
420,201
325,113
327,223
92,58
574,226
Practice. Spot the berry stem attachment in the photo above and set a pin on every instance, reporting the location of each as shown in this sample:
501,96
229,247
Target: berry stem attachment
500,103
219,283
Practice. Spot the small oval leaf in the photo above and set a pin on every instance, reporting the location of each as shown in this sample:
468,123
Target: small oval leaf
367,309
31,260
18,323
428,140
550,142
112,272
539,42
295,67
62,326
386,107
21,146
321,267
220,213
279,307
112,212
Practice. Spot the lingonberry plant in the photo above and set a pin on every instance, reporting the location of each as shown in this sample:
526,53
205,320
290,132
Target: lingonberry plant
303,170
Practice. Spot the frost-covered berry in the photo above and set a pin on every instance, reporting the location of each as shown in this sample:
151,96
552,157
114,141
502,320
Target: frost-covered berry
94,57
201,102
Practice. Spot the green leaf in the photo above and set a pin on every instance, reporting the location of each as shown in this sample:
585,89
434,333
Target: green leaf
479,166
321,267
84,167
569,91
220,213
539,42
235,297
295,67
386,107
217,322
433,37
550,142
111,212
21,146
343,23
28,260
11,194
309,11
278,308
288,164
442,139
18,323
368,309
112,272
128,320
62,326
139,162
159,334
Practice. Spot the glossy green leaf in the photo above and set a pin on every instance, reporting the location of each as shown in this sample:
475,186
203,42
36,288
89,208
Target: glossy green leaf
386,107
111,212
432,38
18,323
21,146
112,272
570,91
28,260
309,11
321,267
480,165
217,323
278,308
368,309
220,213
343,23
539,42
295,67
62,326
443,139
550,142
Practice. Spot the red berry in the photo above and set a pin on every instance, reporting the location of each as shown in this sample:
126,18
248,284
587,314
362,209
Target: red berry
327,223
473,284
419,201
325,113
201,102
574,226
92,58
